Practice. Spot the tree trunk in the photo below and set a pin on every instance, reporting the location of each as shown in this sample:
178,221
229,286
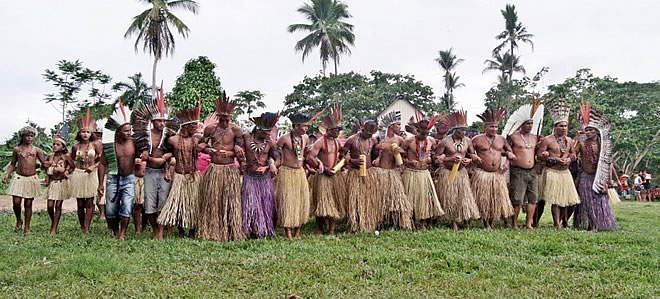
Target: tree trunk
640,155
335,60
153,79
511,67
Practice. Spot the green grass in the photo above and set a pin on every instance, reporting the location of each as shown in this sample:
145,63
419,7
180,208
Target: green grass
436,263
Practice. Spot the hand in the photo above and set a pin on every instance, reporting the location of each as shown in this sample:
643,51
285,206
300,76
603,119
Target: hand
413,163
240,153
476,159
545,155
48,163
565,161
511,156
467,161
66,173
504,167
168,176
157,161
273,169
440,159
375,162
328,172
101,190
457,159
356,162
262,169
4,178
211,151
144,156
138,161
89,169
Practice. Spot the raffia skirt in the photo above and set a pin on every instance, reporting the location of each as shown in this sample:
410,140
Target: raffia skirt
182,205
456,196
364,204
58,190
100,199
220,215
293,198
594,210
328,195
24,186
558,188
398,209
491,195
614,197
83,184
139,190
420,190
258,205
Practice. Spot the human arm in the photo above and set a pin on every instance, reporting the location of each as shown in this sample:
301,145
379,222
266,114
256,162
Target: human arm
12,165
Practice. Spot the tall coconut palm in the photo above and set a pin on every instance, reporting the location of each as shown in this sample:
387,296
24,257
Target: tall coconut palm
513,33
504,64
153,31
448,62
134,92
327,30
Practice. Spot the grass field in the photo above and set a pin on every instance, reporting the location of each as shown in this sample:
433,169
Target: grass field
436,263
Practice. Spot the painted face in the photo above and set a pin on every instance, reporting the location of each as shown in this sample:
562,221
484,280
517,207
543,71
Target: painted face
223,120
58,146
124,131
591,132
561,128
85,134
527,126
491,129
159,124
334,132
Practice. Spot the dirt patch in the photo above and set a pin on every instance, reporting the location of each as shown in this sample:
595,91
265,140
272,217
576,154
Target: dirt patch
38,204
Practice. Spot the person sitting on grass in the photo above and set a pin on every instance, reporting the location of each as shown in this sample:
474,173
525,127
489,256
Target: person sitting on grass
60,166
25,183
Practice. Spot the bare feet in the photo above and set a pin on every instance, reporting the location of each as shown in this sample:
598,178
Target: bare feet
121,237
287,232
529,227
297,232
454,226
26,231
19,226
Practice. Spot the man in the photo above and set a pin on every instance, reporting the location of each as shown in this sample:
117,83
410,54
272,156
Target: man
119,158
557,152
488,182
181,208
417,180
291,187
398,208
327,187
24,186
364,208
594,212
524,179
220,212
258,204
153,127
451,180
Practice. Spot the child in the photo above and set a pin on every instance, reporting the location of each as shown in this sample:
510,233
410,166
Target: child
60,166
139,196
25,183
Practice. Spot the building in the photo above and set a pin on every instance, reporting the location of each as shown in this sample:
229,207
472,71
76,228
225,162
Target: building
404,106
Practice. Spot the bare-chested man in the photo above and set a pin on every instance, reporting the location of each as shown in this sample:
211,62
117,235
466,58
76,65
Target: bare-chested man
119,156
557,152
364,208
327,187
220,216
488,181
453,187
25,183
258,204
398,208
417,180
181,208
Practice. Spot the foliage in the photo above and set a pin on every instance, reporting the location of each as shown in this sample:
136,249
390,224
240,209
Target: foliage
448,62
504,63
327,30
69,79
198,78
513,33
473,263
134,91
248,101
361,96
512,94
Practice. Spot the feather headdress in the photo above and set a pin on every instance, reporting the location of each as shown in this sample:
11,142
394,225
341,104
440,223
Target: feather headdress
141,121
120,117
223,106
301,118
387,120
457,120
86,122
491,116
595,119
558,110
266,121
425,124
157,108
191,115
364,122
442,126
526,112
63,135
333,120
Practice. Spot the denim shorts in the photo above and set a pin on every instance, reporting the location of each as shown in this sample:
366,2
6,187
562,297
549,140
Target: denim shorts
119,196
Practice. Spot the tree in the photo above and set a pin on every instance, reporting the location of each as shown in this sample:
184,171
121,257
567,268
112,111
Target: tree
198,78
134,91
327,30
512,94
504,64
69,79
513,33
448,62
248,101
153,31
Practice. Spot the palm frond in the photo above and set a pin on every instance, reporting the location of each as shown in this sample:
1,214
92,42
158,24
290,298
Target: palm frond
188,5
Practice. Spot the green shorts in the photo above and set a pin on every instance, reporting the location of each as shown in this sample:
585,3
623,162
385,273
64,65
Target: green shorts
524,184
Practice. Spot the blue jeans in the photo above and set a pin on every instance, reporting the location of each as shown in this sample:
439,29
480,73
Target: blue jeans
119,196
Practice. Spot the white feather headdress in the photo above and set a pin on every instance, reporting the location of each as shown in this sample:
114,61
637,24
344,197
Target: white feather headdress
597,120
120,117
387,120
532,111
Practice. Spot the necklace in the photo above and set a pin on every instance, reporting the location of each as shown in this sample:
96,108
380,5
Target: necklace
490,143
421,154
257,147
360,147
458,145
327,153
563,144
525,141
298,147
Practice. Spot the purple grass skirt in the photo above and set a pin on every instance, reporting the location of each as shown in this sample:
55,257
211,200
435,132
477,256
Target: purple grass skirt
594,209
258,205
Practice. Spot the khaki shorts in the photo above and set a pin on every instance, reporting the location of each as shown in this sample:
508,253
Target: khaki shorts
524,184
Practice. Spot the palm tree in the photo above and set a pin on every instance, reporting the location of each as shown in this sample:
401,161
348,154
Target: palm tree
133,92
152,29
327,30
504,64
514,32
448,62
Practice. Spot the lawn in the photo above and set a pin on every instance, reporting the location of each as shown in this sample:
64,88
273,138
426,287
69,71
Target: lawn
436,263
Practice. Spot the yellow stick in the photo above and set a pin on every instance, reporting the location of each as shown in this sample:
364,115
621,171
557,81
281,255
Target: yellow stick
454,170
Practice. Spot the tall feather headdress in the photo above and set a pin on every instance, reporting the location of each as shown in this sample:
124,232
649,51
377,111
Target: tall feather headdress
86,122
100,125
491,116
141,120
387,120
363,125
442,126
333,120
223,106
266,121
121,116
63,134
191,115
301,118
597,120
533,111
457,120
558,110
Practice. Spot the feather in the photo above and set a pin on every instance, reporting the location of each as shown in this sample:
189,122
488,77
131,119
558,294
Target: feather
223,106
266,121
387,120
598,121
558,110
86,122
517,118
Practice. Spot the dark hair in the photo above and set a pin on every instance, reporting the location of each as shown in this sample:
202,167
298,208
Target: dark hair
92,137
66,150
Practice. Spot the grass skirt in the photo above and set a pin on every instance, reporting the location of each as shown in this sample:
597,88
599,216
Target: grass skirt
83,184
594,211
364,204
456,197
220,216
328,195
139,190
100,199
398,209
59,190
258,205
24,186
491,195
613,196
420,190
181,207
558,188
293,199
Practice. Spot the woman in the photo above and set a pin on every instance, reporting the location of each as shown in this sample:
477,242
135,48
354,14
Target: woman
84,181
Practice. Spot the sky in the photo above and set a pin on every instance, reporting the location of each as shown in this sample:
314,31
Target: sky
248,42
